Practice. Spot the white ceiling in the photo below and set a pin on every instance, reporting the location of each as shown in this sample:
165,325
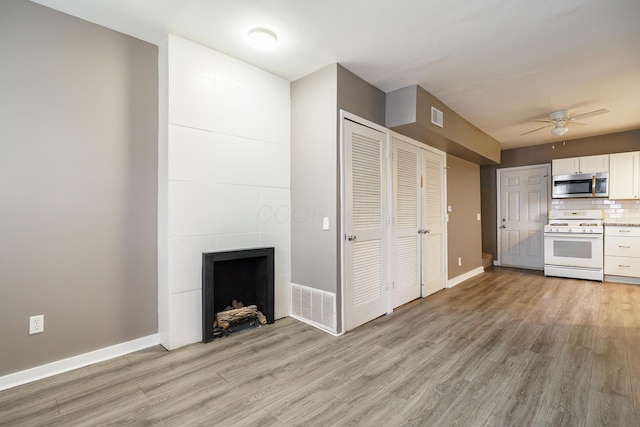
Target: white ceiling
497,63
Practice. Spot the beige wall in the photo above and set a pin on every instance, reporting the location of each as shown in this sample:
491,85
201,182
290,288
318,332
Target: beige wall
78,187
464,238
539,154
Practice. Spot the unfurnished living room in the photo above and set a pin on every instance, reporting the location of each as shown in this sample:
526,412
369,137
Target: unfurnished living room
290,212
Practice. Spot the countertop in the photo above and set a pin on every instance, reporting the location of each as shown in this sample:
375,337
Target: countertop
620,224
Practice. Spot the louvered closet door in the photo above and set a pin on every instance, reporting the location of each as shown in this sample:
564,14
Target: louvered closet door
433,223
365,224
406,223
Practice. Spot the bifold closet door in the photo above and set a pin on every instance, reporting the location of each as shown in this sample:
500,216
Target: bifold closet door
406,250
365,215
433,223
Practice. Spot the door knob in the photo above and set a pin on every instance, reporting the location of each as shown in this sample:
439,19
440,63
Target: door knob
503,226
427,231
351,237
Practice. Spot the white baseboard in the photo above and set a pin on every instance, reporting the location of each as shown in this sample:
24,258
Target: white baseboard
315,325
75,362
468,275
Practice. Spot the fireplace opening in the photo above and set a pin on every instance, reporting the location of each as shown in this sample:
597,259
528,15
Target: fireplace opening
242,276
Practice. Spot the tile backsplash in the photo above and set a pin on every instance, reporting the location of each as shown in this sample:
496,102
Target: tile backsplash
615,211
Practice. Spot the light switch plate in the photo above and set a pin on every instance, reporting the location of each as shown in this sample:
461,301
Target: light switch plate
325,223
449,209
478,217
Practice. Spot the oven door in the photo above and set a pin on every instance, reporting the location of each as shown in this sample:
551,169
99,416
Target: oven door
574,250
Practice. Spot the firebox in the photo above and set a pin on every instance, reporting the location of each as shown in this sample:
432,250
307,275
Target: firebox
242,275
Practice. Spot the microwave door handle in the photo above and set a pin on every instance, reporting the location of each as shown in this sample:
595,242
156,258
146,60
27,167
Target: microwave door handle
593,186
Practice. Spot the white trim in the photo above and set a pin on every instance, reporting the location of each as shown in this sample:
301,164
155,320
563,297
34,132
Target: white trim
468,275
75,362
419,144
316,325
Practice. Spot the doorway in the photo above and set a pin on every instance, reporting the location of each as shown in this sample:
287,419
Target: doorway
523,200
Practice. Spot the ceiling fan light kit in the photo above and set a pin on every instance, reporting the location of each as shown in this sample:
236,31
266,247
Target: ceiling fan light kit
559,129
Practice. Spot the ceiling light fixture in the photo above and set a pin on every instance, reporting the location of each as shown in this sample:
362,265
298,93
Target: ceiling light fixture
559,129
262,39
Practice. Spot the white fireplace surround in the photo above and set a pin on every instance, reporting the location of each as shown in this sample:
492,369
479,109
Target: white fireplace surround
223,176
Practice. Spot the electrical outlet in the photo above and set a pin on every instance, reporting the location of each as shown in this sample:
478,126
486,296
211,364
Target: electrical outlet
36,324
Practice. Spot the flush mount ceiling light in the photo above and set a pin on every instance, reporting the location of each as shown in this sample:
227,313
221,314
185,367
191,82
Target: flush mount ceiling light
262,39
559,129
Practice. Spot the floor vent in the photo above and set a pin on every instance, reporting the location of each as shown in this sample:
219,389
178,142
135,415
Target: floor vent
313,306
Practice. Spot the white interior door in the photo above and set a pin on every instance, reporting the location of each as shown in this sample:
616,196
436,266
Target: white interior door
365,217
406,250
522,214
433,223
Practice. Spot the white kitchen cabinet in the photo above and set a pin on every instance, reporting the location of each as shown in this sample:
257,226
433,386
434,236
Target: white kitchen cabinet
624,176
577,165
622,252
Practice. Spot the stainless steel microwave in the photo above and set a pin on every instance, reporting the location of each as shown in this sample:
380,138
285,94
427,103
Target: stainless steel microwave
582,185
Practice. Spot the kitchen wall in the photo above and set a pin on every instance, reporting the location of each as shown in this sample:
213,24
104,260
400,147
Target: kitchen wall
544,153
464,238
78,187
225,176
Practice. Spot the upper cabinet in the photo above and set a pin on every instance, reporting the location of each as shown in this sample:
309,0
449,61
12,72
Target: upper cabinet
578,165
624,176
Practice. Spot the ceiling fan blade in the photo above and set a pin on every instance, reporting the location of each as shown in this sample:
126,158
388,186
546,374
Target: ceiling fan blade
542,121
591,113
571,122
535,130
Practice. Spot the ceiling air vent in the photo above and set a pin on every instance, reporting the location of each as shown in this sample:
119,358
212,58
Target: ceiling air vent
436,116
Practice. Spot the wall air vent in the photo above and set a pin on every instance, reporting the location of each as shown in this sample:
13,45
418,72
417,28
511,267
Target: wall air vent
436,116
315,307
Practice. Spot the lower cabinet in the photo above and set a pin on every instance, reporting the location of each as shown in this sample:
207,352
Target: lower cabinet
622,251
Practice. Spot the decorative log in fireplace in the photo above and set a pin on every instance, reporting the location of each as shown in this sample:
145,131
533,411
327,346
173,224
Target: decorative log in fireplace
242,275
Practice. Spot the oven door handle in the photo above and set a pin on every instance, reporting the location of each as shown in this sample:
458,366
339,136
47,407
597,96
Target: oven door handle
575,235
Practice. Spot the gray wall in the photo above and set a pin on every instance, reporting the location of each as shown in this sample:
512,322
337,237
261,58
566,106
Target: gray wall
78,187
464,232
359,97
315,152
314,179
538,154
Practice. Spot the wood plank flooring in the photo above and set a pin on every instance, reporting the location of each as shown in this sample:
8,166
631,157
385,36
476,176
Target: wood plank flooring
508,347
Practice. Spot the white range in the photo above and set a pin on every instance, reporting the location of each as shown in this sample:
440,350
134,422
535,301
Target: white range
574,244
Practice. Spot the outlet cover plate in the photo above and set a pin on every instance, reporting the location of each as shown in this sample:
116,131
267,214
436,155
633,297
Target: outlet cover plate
36,324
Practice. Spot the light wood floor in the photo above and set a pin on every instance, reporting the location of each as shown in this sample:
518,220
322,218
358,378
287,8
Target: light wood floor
508,347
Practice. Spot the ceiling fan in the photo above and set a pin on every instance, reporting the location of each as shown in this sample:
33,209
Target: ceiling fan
560,120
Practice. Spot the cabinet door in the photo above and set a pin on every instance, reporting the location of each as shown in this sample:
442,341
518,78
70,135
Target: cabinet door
433,223
365,219
406,223
568,166
594,164
624,176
